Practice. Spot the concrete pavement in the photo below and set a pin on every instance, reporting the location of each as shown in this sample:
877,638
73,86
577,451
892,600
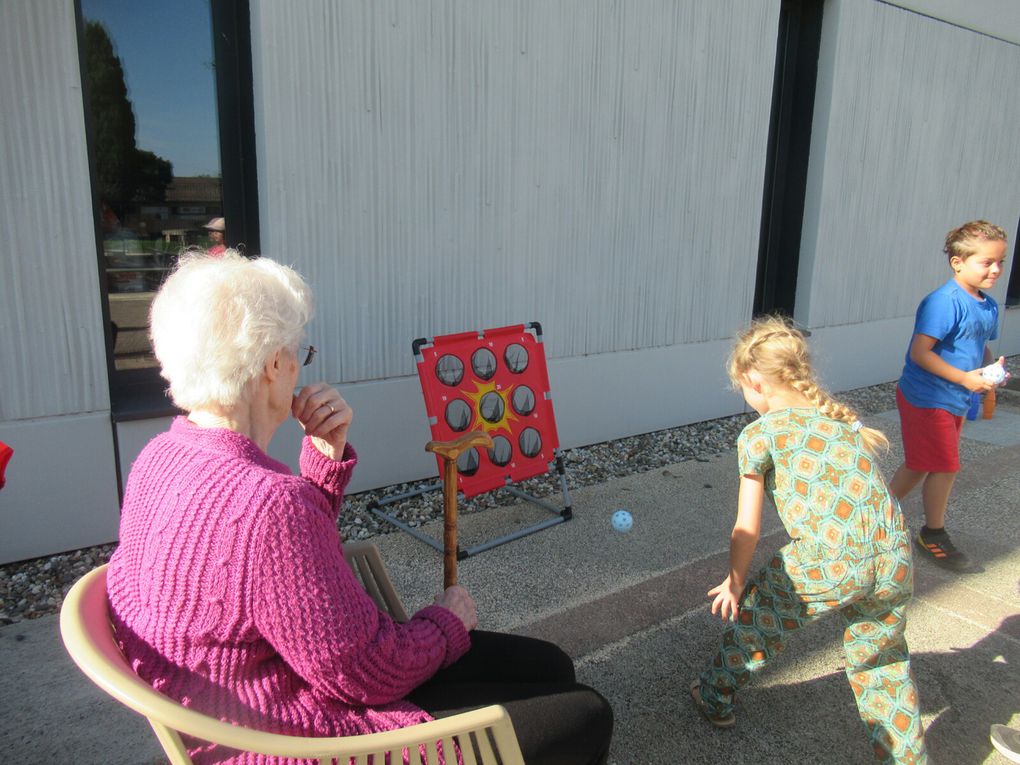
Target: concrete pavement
630,608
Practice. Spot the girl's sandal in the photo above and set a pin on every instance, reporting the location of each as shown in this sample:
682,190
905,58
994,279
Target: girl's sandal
720,722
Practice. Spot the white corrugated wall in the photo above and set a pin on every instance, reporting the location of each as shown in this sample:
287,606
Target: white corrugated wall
61,488
444,166
51,332
916,130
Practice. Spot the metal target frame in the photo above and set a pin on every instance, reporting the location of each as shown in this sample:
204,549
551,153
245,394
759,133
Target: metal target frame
496,381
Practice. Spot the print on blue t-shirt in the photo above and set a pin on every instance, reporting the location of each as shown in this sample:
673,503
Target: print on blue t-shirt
962,325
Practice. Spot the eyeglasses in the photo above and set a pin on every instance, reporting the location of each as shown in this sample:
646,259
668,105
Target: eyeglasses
312,350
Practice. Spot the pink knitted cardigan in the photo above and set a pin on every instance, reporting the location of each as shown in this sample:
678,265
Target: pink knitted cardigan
230,593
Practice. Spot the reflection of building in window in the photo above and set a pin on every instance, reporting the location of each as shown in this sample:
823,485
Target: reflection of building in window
189,203
175,236
155,212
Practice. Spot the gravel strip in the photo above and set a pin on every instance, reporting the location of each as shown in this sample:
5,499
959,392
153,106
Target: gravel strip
34,588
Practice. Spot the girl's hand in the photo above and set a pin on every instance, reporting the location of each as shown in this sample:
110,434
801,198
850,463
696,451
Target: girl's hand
325,416
743,540
726,599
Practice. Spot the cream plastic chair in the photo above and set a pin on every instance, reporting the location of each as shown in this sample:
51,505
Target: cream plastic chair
368,565
484,735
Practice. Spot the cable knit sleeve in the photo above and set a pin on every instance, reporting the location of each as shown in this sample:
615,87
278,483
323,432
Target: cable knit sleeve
330,476
310,606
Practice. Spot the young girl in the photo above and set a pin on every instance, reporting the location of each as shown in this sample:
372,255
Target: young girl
849,549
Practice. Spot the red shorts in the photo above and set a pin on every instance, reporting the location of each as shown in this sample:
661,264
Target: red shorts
931,437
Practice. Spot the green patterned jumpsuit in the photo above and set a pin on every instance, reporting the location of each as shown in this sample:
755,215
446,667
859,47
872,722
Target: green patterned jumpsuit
849,552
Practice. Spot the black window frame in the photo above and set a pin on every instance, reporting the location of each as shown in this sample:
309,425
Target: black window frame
1013,285
798,44
137,394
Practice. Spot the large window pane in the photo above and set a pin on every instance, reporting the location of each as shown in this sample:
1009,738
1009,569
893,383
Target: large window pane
150,82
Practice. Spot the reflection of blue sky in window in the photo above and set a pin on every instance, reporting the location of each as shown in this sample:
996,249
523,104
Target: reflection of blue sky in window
166,51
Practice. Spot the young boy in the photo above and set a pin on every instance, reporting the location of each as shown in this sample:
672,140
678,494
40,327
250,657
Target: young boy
942,371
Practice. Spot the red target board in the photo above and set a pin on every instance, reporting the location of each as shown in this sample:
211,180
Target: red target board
494,381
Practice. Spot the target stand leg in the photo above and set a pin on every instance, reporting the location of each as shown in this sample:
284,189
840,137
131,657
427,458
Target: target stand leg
567,511
562,514
376,505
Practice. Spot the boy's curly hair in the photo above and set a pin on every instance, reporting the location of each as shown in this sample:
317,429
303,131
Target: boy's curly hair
962,242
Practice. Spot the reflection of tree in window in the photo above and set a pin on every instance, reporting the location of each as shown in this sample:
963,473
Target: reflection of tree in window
491,407
516,358
483,362
501,451
125,174
467,463
530,442
523,400
126,178
450,370
458,415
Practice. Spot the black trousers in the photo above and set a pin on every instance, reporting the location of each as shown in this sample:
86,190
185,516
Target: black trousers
558,721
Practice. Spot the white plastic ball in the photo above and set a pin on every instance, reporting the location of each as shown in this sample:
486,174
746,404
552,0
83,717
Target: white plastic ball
623,521
994,373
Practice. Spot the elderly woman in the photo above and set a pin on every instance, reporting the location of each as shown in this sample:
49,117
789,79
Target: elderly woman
229,590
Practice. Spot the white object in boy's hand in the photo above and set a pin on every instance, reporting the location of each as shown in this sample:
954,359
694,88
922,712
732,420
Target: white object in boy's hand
994,373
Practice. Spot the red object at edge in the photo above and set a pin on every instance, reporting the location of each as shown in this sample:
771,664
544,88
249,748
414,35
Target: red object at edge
6,453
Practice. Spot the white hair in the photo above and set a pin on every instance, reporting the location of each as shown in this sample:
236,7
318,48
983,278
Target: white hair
216,321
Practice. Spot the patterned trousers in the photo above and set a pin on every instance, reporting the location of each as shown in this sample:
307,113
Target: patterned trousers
871,595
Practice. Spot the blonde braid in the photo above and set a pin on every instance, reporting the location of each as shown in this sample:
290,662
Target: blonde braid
874,439
779,351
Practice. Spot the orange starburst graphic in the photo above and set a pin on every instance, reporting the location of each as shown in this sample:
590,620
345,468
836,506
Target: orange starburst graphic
491,406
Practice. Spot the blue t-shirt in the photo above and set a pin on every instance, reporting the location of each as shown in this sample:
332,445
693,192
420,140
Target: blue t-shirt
962,325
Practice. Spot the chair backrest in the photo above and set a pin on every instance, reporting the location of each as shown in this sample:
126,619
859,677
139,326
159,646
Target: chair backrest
483,736
367,563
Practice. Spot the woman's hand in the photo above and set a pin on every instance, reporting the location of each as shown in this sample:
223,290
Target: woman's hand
726,599
325,416
460,602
